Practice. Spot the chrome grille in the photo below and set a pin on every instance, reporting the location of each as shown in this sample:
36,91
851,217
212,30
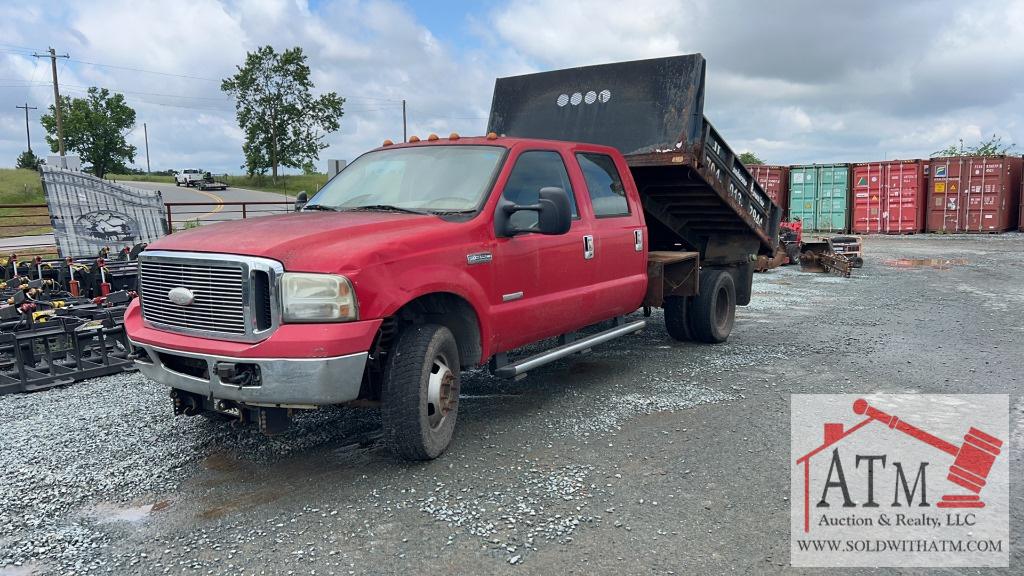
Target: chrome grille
224,306
219,302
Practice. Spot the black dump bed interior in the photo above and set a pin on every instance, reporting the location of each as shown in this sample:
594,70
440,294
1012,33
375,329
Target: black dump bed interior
696,193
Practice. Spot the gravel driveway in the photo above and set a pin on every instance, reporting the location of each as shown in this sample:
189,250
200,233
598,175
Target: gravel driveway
644,457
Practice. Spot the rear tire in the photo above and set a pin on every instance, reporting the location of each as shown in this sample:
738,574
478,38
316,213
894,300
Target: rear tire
712,312
676,321
420,394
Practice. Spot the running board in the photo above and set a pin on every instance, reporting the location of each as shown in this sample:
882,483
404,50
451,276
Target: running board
520,368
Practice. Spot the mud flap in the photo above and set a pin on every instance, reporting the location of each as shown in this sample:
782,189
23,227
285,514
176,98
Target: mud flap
743,277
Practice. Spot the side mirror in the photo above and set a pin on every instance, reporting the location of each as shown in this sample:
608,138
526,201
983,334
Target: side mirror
554,214
300,200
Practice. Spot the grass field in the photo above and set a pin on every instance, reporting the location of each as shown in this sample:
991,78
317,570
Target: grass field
22,187
290,184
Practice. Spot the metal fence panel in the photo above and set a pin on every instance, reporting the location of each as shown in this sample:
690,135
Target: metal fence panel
89,213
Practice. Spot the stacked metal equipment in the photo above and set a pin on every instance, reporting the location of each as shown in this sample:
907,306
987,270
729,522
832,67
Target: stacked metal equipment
62,321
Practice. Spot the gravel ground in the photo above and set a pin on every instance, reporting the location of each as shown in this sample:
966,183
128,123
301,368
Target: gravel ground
644,457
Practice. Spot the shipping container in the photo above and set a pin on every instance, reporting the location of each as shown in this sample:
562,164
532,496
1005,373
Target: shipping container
774,180
974,194
889,197
1020,200
819,196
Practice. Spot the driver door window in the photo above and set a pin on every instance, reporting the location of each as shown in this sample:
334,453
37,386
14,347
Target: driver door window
534,170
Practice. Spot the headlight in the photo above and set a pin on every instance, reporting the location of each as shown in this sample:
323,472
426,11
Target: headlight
317,298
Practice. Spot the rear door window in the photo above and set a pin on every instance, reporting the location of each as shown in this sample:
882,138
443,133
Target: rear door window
607,194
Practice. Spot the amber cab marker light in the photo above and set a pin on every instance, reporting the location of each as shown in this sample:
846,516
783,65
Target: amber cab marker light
432,137
492,136
453,136
414,138
388,143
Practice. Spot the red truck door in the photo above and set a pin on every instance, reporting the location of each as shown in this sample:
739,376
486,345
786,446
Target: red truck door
540,282
620,237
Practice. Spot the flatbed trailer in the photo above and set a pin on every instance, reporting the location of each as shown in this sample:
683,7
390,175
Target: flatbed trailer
210,184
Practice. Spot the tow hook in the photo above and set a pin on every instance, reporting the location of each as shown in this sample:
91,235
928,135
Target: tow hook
138,354
238,374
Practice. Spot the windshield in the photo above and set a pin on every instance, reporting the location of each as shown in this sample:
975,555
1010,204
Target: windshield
418,179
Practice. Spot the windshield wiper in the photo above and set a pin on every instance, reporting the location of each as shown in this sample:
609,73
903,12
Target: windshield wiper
319,207
452,212
384,208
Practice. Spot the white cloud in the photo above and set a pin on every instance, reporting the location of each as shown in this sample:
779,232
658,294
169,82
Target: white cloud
790,79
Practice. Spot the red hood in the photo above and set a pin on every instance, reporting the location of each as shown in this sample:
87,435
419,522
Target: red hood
308,241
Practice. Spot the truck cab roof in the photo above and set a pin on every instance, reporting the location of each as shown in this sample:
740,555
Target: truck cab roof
502,141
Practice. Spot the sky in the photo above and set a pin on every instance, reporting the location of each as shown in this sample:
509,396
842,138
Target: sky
792,81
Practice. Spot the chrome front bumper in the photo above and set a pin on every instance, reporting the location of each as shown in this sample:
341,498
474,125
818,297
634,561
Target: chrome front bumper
284,381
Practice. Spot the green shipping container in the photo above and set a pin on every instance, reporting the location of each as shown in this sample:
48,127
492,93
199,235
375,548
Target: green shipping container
819,197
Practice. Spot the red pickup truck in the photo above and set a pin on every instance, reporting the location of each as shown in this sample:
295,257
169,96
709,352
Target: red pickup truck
425,258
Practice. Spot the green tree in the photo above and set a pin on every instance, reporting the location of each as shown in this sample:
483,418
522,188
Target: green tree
95,127
284,124
27,159
992,147
750,158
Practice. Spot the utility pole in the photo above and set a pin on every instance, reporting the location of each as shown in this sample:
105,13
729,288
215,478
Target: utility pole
56,102
145,134
405,137
26,108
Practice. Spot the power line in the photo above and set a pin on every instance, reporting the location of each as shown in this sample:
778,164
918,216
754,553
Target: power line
22,47
143,70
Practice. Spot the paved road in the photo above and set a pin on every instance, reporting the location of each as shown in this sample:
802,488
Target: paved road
219,213
646,456
23,242
172,193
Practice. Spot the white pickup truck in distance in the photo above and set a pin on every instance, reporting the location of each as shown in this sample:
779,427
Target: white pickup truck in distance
188,177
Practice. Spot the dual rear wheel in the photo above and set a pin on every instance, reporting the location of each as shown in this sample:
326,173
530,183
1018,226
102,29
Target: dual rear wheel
707,317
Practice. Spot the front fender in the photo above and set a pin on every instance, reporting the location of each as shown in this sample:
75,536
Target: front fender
409,284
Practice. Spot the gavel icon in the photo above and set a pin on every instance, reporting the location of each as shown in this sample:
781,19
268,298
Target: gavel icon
972,461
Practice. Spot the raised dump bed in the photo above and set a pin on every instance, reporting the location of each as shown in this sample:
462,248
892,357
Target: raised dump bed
697,194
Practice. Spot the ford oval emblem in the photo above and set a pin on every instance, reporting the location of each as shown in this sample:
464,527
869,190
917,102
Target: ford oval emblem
181,296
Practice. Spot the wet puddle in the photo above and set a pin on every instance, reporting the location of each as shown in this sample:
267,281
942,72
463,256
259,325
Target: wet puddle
106,513
937,263
30,569
242,502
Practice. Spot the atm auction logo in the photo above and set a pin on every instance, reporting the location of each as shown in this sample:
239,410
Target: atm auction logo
900,480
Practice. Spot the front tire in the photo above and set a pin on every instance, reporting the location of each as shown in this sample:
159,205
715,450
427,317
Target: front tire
712,312
420,395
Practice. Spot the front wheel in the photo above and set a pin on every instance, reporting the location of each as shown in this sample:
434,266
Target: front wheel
420,395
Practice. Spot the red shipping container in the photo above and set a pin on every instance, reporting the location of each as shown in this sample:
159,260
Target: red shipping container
774,180
974,194
1020,199
889,197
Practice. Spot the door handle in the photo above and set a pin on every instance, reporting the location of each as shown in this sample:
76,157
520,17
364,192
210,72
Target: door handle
638,240
588,247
